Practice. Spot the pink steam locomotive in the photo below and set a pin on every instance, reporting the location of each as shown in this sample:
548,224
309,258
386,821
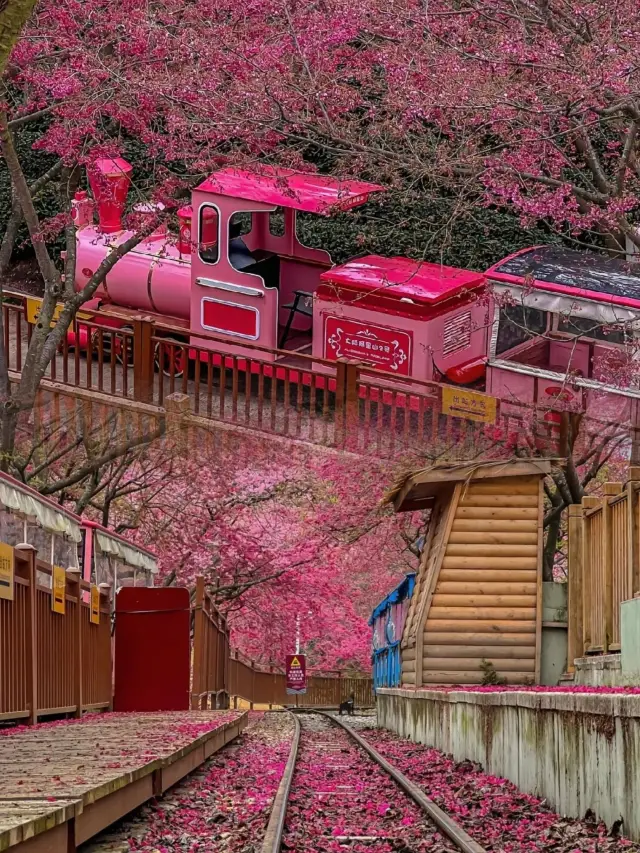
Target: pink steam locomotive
552,329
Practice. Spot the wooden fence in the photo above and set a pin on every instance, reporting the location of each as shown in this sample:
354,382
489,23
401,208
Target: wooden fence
220,673
51,662
338,404
604,566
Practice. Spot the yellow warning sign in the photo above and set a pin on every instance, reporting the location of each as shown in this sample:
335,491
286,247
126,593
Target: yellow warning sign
59,589
460,403
33,310
6,571
95,605
294,663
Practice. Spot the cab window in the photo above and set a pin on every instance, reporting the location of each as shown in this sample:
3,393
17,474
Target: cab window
519,324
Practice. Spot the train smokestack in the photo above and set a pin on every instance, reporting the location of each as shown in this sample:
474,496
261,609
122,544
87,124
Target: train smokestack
109,180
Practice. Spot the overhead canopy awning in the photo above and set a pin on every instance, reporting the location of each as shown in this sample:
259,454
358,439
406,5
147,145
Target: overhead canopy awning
417,491
574,306
129,554
312,193
402,591
24,501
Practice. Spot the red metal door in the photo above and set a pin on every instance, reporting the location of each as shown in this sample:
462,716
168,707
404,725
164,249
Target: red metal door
152,651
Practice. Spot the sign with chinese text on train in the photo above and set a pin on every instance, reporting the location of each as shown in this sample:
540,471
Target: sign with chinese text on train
378,346
296,674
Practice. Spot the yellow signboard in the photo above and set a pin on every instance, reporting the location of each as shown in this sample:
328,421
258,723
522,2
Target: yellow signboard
6,571
294,663
460,403
33,310
59,588
95,605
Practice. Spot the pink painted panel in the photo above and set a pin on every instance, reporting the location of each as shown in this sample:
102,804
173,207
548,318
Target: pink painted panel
220,281
447,334
612,408
420,363
510,387
569,356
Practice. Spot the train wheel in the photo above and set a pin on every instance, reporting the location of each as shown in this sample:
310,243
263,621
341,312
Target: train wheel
171,358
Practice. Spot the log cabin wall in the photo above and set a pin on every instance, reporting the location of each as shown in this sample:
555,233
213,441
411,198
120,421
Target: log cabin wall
478,594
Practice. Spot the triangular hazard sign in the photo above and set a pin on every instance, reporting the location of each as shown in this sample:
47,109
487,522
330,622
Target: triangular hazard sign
294,662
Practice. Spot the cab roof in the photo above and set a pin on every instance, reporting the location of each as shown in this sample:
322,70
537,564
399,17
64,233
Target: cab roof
566,271
320,194
403,278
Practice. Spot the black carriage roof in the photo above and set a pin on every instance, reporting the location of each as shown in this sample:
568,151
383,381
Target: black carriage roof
573,271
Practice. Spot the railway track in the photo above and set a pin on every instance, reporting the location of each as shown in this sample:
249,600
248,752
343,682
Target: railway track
334,792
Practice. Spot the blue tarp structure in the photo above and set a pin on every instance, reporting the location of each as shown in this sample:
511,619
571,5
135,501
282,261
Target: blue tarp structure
387,621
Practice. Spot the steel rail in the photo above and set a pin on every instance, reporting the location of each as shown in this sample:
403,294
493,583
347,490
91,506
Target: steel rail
447,825
275,827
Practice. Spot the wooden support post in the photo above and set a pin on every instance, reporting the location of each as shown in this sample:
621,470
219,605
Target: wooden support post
588,502
198,645
610,490
74,588
253,684
143,367
633,509
341,384
28,553
576,578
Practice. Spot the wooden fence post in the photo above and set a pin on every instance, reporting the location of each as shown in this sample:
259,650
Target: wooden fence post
105,605
31,632
351,405
633,509
198,645
610,489
575,572
346,406
341,384
253,684
143,367
75,588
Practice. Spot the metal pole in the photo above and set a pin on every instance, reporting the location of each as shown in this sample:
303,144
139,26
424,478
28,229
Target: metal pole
298,634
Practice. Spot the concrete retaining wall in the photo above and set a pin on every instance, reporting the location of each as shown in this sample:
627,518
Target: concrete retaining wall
579,751
600,671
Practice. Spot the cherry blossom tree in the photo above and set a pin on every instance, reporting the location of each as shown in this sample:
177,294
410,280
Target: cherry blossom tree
278,531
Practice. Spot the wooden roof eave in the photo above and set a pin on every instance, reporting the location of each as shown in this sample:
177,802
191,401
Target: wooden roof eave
420,489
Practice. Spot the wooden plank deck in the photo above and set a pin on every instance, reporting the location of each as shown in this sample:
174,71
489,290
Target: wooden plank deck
61,783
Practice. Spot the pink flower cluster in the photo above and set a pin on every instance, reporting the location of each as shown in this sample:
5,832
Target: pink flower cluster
527,688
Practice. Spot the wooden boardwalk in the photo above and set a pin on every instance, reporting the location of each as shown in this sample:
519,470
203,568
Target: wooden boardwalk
61,783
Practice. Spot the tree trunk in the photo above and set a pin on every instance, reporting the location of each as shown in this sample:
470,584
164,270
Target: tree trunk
14,15
8,425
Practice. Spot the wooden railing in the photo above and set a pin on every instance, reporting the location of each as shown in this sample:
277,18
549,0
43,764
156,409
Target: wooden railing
52,663
338,404
604,566
220,673
210,651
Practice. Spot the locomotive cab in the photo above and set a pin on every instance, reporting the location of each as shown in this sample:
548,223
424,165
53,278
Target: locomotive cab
256,285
